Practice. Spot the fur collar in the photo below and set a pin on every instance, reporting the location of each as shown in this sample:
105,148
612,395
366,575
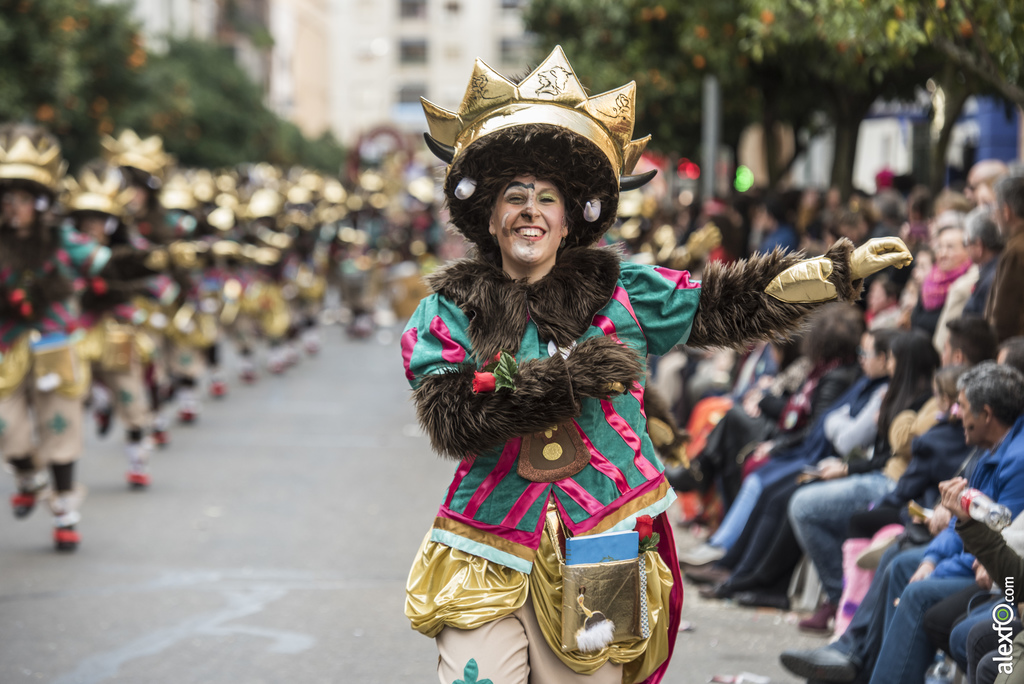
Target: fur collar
562,303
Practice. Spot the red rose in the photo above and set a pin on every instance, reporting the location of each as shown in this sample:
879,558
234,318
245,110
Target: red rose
99,286
483,382
17,296
26,309
644,526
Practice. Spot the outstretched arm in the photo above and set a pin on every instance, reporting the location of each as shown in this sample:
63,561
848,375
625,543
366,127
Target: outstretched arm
768,295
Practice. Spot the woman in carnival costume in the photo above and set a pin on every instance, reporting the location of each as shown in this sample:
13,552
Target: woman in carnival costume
43,377
534,174
118,347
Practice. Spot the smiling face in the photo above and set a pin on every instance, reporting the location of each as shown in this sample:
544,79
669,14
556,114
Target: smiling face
529,223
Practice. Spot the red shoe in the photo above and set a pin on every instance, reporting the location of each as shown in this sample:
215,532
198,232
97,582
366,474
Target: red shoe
277,367
138,480
187,416
248,376
218,388
103,420
65,538
161,438
822,620
23,504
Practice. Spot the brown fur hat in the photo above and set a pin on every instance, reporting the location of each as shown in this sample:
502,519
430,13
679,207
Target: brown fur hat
574,164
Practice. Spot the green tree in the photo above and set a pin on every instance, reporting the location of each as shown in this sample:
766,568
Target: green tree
210,114
611,42
79,68
971,46
774,67
71,66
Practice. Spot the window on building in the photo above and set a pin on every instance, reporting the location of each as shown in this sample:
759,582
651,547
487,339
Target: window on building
413,51
512,51
452,6
411,93
511,5
412,9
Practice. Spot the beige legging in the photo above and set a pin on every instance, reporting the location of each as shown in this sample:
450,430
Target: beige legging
55,435
510,650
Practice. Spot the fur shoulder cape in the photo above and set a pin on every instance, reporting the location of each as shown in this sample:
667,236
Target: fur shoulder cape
562,304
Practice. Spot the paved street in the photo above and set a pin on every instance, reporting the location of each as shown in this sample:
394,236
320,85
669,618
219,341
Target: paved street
272,547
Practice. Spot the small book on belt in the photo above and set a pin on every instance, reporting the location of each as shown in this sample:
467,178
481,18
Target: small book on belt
602,548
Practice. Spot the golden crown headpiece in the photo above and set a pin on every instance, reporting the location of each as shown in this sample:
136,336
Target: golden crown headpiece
204,185
177,193
102,190
39,162
264,203
550,94
144,154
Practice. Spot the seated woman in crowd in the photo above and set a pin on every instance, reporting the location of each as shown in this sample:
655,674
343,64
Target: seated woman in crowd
782,423
761,574
933,438
820,512
763,557
883,300
951,262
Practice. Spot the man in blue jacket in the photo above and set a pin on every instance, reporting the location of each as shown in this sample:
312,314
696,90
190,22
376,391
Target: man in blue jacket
889,620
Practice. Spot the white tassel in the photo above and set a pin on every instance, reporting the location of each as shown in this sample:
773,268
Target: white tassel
595,637
592,211
465,189
42,203
48,382
110,226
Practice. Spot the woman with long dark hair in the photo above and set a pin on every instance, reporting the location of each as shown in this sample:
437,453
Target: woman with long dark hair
820,513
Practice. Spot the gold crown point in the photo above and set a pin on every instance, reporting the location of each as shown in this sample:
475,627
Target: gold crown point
550,94
444,125
486,89
631,153
554,80
616,110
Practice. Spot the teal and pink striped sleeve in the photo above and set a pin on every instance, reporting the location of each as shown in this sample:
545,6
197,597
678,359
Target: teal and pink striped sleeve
435,340
663,303
88,257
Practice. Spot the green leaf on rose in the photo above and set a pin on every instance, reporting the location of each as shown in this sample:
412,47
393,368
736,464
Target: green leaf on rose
505,372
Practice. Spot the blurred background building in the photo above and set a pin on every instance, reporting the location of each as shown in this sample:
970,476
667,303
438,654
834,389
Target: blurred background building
350,66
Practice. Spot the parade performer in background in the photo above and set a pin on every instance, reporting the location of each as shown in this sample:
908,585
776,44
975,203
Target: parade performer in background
117,346
551,441
144,162
43,377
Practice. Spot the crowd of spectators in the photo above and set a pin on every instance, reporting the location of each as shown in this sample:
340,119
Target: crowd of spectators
847,449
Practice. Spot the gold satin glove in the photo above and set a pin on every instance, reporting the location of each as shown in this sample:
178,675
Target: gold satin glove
879,253
804,282
156,260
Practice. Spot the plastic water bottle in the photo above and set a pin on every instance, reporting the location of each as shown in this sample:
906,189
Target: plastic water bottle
941,672
984,509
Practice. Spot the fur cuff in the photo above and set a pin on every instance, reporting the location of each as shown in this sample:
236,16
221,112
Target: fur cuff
462,423
735,311
600,361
